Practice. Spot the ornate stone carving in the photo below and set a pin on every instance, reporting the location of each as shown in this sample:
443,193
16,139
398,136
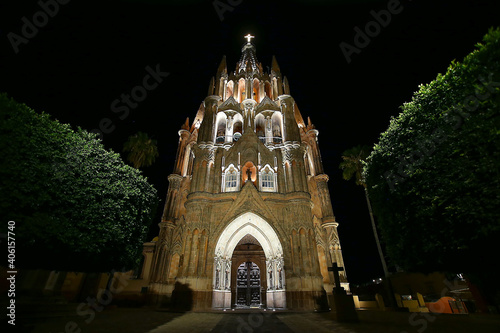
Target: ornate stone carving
227,276
293,153
174,181
206,154
217,263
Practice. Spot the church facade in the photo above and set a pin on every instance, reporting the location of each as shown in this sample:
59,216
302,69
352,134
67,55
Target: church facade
248,220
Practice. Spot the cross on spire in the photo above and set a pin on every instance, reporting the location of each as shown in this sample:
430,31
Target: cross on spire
249,37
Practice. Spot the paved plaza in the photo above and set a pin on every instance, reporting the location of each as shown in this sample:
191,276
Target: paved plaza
146,320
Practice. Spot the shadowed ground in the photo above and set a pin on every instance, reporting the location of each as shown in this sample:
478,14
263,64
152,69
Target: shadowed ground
143,320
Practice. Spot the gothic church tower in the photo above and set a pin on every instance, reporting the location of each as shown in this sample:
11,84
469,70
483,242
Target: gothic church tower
248,220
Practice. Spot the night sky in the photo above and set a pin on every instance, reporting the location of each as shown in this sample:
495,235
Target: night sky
86,54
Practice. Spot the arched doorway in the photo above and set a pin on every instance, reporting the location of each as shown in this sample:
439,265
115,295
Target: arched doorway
271,275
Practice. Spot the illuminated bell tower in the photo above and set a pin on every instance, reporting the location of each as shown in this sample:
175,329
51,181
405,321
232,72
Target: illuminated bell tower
248,220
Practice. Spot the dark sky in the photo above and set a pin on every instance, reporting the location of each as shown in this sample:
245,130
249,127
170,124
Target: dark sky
84,56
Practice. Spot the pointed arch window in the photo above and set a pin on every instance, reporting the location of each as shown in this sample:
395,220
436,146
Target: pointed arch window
229,89
260,127
220,134
276,127
237,127
268,180
256,90
268,89
231,180
241,90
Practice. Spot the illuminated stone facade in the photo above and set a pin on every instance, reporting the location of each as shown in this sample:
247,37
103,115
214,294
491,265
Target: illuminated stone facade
248,186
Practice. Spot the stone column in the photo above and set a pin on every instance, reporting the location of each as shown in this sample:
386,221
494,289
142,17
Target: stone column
170,209
290,129
227,274
221,297
202,255
324,194
315,153
248,88
229,129
295,253
304,247
193,259
296,177
217,283
206,133
181,152
268,130
162,251
280,273
187,254
148,253
204,157
334,249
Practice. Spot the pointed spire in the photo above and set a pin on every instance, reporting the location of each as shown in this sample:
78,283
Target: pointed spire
222,67
248,60
310,125
211,86
298,116
286,87
274,66
185,126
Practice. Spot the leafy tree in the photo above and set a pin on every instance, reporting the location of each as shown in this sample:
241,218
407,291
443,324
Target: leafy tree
142,151
77,206
352,165
433,177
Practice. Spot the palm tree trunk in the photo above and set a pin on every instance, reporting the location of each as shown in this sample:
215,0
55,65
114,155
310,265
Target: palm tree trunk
380,253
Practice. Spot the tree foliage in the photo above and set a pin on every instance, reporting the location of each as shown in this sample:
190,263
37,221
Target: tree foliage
434,178
142,151
353,162
77,206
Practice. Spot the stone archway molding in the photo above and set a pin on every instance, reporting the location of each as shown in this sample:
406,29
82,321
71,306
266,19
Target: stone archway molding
254,225
248,224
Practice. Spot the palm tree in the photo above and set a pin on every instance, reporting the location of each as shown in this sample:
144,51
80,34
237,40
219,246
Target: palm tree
352,165
142,151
